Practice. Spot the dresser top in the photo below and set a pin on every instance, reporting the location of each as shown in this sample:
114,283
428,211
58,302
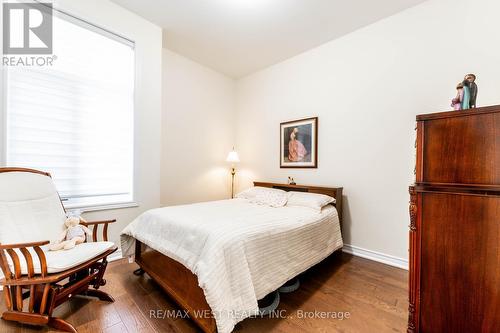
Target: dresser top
463,113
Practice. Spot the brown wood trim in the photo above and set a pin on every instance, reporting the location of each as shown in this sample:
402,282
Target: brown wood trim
460,186
95,228
29,261
27,318
45,296
463,113
24,170
8,297
75,288
87,223
291,187
462,189
315,166
105,232
178,282
19,298
419,170
61,325
31,305
15,261
4,265
22,245
42,259
94,232
414,262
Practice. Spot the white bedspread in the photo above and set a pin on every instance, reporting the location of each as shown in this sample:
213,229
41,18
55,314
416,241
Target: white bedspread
239,251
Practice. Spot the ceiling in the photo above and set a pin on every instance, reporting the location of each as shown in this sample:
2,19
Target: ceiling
238,37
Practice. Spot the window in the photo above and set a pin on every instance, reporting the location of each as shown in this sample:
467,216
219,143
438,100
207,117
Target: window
75,119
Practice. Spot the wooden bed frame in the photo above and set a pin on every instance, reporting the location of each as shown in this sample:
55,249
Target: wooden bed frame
182,285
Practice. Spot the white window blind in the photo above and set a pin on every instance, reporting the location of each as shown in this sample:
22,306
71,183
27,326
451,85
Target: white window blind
75,119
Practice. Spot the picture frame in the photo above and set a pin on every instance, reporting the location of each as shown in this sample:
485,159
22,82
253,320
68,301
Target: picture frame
299,143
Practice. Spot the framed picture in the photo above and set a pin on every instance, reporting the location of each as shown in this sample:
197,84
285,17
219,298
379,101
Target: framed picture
299,143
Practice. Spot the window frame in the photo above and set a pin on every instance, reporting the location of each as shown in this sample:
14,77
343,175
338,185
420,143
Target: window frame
3,118
85,24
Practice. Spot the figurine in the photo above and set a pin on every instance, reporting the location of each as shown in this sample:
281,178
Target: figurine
470,92
470,82
456,103
291,181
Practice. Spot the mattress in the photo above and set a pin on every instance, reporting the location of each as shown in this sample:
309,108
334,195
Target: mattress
240,251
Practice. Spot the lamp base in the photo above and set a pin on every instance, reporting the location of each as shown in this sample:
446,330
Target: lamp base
233,172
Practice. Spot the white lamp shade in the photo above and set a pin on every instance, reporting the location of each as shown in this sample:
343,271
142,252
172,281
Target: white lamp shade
232,157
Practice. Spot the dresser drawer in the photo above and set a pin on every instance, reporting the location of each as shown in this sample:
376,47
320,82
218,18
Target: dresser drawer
461,150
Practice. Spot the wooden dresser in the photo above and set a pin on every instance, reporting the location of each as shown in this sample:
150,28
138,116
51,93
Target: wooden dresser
455,223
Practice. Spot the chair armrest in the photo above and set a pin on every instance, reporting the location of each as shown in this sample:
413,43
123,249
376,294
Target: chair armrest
23,248
87,223
21,245
95,226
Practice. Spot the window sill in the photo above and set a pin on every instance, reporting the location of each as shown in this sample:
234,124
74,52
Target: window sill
96,207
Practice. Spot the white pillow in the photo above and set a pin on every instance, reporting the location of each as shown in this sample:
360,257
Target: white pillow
312,200
252,192
271,198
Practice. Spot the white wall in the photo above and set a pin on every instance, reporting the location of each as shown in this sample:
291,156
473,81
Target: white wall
366,89
197,131
148,43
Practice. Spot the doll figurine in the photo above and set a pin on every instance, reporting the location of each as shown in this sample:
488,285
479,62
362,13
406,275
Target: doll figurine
465,96
456,102
470,84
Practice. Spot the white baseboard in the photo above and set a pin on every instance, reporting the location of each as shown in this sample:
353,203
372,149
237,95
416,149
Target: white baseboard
376,256
115,256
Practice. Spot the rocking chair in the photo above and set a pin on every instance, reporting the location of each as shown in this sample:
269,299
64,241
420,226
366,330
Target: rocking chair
30,211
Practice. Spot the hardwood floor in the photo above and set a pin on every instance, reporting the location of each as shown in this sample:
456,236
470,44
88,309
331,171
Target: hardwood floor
371,296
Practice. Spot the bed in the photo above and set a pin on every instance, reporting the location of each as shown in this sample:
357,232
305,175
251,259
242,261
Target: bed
216,259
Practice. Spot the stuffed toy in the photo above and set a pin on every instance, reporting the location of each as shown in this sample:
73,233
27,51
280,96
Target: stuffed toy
73,235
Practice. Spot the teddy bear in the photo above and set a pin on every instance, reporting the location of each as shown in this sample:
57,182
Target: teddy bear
73,234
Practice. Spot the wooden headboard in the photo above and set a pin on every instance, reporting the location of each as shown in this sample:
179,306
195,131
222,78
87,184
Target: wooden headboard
334,192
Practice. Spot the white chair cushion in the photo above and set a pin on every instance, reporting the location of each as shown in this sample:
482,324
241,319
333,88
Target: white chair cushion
22,186
31,221
58,261
30,209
